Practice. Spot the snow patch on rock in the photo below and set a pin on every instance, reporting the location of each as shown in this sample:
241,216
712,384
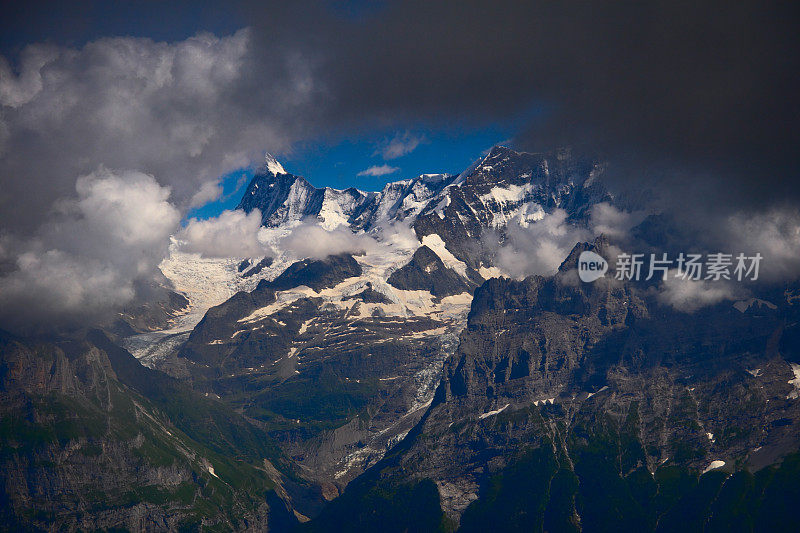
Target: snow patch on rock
492,413
436,243
714,465
743,305
794,382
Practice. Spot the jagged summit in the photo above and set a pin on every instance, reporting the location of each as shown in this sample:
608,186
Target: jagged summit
284,197
501,186
272,165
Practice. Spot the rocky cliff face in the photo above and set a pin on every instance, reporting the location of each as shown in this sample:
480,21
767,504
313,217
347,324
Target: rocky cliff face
283,198
508,187
369,343
318,274
426,271
340,372
583,406
153,315
93,440
337,373
501,188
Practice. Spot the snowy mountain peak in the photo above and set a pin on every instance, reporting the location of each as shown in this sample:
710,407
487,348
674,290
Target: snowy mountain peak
500,187
272,165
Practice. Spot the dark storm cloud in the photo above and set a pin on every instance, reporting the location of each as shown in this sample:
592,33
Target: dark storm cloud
693,105
688,93
80,21
695,93
126,116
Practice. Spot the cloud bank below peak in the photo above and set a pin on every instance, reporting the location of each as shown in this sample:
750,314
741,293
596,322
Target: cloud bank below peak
87,260
231,234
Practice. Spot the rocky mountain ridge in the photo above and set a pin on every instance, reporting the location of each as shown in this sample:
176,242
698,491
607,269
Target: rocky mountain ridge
575,406
404,381
418,296
501,186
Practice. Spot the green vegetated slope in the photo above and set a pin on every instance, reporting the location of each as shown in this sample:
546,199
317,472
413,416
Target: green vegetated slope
91,439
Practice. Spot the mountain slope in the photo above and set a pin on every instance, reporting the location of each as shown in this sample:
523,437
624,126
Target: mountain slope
426,271
589,406
434,398
508,187
91,439
501,187
463,219
373,360
338,372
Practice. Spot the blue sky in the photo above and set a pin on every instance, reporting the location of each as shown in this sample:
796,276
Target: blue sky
338,164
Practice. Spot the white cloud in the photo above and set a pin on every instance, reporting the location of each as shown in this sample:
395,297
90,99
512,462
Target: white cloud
185,112
310,240
775,234
182,111
688,295
376,170
541,247
231,234
605,219
127,208
19,90
53,287
208,192
401,144
88,258
397,235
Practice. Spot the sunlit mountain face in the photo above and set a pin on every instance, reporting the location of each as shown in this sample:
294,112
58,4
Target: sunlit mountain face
399,267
